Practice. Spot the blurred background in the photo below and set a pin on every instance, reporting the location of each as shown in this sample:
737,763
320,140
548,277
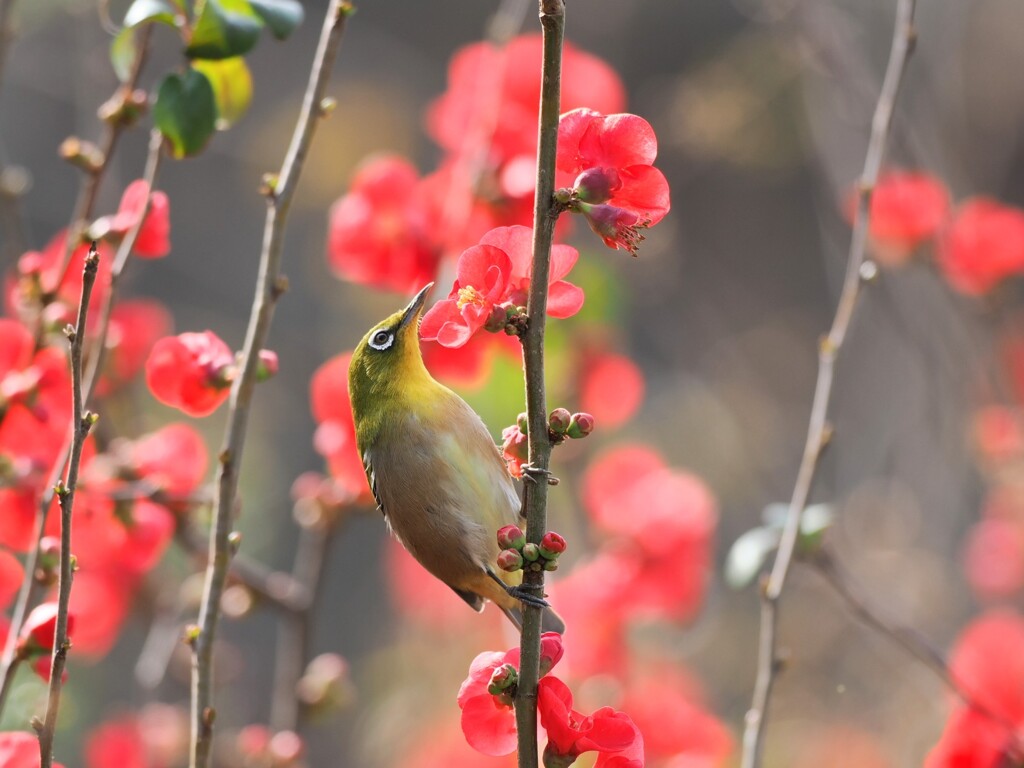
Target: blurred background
762,111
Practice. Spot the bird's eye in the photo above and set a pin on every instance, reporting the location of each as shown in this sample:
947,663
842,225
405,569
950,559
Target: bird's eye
382,339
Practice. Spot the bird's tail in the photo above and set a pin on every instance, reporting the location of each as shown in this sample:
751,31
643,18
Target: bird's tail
549,620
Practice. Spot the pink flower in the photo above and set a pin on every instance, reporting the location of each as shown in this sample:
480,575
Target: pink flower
154,236
191,372
983,245
606,163
19,749
907,208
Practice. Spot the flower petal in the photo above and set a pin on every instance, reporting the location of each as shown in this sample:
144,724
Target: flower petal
564,299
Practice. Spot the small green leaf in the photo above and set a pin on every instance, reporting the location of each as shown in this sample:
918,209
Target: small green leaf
123,53
282,16
185,111
224,29
232,87
748,555
143,11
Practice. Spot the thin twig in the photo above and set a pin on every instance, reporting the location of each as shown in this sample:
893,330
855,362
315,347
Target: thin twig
817,431
906,637
82,421
286,713
9,662
545,213
6,6
270,285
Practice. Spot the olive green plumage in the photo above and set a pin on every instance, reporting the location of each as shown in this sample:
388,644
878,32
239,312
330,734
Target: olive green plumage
436,473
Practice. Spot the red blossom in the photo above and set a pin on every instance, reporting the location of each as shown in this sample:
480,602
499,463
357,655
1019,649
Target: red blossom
381,232
117,742
19,749
468,366
611,388
104,596
515,449
40,627
907,208
154,236
335,437
191,372
606,167
610,733
492,274
135,326
488,722
988,662
983,245
11,574
173,459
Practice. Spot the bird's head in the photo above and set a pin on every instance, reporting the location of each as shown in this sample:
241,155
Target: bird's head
387,363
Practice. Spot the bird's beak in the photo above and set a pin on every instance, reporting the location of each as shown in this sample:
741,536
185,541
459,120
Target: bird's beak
415,307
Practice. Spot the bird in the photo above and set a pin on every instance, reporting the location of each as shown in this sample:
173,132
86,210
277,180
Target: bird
434,469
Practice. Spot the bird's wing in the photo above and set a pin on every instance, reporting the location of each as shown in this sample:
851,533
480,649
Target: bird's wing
371,478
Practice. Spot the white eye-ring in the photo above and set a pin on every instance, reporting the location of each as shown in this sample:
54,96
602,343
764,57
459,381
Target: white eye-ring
382,339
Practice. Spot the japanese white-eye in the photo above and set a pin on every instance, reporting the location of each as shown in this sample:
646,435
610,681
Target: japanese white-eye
433,467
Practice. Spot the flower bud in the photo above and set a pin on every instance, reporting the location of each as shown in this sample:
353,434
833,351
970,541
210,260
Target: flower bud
497,319
510,560
552,545
595,185
531,552
551,565
558,421
267,366
511,537
582,424
504,677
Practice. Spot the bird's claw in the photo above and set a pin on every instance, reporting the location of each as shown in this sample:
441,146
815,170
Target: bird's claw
531,473
523,595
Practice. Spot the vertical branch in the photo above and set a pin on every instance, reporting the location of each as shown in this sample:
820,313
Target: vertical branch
545,213
82,422
270,285
6,6
817,431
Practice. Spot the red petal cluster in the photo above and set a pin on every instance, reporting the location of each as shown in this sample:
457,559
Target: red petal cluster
907,209
135,326
983,245
494,274
335,437
381,232
191,372
988,662
613,735
606,163
19,749
611,388
154,236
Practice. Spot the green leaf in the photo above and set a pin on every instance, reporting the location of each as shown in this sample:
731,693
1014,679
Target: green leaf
748,555
186,111
144,11
282,16
224,29
232,87
122,53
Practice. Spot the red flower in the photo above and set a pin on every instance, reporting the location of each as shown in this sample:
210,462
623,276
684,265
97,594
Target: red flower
988,662
492,274
154,236
116,742
19,749
104,596
515,449
611,388
983,245
468,366
335,437
191,372
612,734
488,721
40,627
606,164
135,327
907,208
173,459
381,232
11,574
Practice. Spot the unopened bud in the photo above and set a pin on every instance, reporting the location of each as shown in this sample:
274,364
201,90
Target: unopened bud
551,565
595,185
510,560
496,320
267,366
511,537
234,541
504,677
558,421
552,545
81,154
523,421
531,552
582,424
192,632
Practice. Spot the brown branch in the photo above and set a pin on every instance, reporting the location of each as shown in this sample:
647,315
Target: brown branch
545,213
906,637
817,431
270,285
82,421
6,33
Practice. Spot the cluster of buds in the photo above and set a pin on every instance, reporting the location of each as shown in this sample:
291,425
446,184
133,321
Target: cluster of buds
562,424
518,554
503,684
508,317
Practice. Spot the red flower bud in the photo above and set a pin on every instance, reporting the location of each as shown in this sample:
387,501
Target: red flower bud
504,677
558,421
267,366
582,424
510,560
511,537
552,545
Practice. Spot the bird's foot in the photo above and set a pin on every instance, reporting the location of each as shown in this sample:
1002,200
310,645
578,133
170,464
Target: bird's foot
531,473
523,595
